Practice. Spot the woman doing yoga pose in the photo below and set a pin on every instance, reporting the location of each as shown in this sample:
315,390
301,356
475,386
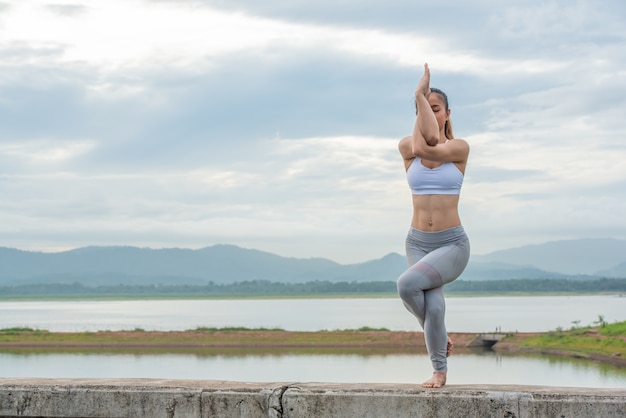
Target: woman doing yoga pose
437,248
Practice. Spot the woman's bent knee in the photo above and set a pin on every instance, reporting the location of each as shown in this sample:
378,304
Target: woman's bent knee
405,289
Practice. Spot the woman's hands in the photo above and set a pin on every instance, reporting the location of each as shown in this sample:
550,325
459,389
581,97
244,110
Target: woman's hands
425,141
423,87
426,126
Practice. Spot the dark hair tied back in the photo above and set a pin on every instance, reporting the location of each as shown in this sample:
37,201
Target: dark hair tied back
448,128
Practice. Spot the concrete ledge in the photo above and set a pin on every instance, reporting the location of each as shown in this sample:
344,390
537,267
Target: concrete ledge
186,398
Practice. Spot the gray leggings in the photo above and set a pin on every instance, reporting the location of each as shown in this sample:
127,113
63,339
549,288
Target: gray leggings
435,259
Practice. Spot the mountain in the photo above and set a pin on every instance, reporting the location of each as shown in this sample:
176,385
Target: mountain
616,271
577,259
581,256
219,263
502,271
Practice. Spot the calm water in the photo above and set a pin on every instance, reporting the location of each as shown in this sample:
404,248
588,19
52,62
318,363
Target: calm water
524,314
487,368
463,314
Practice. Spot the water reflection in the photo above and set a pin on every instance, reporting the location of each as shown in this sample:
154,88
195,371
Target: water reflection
481,366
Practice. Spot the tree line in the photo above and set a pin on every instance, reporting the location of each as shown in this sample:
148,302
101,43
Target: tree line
263,287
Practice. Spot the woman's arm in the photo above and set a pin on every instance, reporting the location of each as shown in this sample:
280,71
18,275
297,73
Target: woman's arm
425,140
455,150
426,127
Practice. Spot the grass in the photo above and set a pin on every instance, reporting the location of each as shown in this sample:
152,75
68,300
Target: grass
21,331
608,340
616,329
226,329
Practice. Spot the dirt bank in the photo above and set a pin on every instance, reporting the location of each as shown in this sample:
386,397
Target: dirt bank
244,338
243,342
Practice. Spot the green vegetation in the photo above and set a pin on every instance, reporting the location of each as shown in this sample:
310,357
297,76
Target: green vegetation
370,329
263,288
254,288
230,329
538,286
20,330
608,340
616,329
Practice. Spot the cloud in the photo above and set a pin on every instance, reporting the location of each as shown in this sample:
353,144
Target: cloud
70,10
553,22
486,174
274,124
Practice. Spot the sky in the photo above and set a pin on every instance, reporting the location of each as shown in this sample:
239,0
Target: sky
274,124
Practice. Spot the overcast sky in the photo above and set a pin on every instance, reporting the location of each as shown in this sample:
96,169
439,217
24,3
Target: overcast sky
274,124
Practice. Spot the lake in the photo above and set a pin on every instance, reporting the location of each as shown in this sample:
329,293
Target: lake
464,314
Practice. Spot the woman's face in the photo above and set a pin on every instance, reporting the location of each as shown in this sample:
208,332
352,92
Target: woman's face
439,109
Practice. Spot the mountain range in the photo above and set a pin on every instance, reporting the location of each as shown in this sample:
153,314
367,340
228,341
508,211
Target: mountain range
118,265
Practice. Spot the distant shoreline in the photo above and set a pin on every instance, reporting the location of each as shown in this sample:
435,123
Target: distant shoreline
192,296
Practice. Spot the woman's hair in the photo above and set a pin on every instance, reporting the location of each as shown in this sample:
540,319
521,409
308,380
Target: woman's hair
447,129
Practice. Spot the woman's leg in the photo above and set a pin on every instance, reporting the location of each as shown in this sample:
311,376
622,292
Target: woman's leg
420,288
435,328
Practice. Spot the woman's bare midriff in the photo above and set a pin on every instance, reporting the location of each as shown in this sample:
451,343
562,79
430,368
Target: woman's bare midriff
435,212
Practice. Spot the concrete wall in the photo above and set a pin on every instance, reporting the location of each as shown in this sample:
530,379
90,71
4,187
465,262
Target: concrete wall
184,398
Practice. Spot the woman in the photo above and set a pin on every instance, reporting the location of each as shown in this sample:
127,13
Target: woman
436,246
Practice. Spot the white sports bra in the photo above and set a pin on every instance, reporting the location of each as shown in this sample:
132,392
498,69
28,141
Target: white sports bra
444,179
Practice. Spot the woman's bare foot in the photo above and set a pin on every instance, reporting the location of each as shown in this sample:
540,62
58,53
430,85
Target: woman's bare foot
437,381
449,347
